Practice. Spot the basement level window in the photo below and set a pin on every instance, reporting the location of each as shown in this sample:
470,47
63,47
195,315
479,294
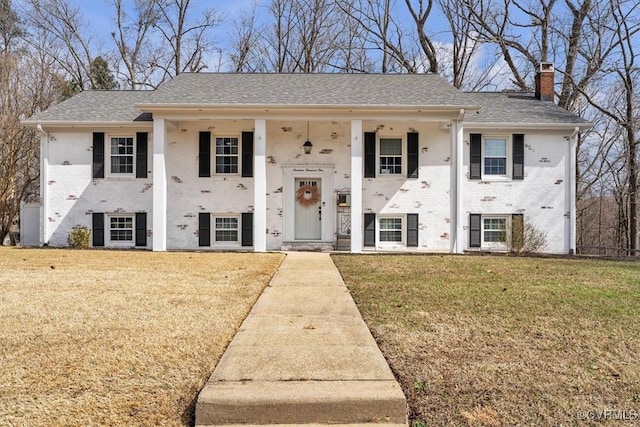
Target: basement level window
121,229
226,229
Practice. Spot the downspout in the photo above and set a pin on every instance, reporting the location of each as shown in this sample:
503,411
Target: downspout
44,178
573,139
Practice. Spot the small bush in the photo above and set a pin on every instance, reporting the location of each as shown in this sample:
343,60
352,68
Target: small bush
524,238
79,238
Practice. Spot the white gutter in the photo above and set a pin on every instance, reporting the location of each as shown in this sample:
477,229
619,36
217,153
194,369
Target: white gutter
88,125
528,126
148,107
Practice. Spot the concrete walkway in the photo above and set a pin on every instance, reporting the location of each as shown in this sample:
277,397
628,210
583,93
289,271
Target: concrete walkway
303,356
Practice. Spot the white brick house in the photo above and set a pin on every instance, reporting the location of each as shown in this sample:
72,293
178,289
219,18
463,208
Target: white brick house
396,163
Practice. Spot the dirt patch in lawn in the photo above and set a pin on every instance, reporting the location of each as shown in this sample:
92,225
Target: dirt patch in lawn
503,341
117,337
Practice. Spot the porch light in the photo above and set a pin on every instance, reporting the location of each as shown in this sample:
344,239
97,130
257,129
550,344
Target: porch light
307,146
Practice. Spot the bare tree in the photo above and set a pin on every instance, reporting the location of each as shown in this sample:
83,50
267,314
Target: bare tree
132,37
420,14
385,33
187,44
64,25
27,85
244,41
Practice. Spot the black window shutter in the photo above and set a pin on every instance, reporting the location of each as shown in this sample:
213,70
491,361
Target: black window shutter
475,164
247,154
247,229
412,230
518,156
369,154
517,231
141,154
369,229
204,229
412,155
475,229
98,229
98,155
141,229
204,155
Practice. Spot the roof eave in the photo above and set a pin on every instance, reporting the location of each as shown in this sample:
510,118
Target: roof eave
86,124
528,125
150,107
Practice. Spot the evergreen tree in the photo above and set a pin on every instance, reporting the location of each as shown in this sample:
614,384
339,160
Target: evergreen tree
101,76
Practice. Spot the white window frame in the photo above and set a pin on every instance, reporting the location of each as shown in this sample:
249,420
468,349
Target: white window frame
509,158
215,155
403,230
494,245
403,156
214,229
108,157
108,230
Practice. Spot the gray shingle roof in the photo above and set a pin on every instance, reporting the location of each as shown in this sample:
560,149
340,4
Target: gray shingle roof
366,90
421,90
518,107
97,106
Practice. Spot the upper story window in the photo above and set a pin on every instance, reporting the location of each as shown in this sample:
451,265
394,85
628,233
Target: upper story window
390,161
495,156
122,155
226,155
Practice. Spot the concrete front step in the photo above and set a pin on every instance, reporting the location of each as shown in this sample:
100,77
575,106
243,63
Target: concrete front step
301,402
313,425
303,356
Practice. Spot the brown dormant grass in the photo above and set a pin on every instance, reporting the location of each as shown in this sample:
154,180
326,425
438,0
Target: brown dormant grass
117,337
504,341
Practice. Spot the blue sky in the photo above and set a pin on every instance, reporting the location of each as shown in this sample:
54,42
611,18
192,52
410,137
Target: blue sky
101,17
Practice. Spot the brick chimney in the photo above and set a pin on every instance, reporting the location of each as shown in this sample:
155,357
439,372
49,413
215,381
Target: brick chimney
544,82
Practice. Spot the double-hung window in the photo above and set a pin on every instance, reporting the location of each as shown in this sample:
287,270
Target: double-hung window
226,229
226,156
390,161
495,156
122,155
494,230
390,230
121,229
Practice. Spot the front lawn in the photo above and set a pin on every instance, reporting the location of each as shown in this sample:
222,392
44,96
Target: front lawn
117,337
503,341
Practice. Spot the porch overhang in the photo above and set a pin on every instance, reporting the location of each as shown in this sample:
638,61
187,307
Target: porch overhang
306,112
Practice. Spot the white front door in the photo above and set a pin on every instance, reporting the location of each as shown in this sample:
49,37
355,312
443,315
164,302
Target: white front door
308,209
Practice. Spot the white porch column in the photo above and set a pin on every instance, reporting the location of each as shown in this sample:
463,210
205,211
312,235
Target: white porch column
44,187
457,174
356,186
159,187
260,186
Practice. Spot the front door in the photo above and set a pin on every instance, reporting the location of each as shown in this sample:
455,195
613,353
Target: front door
308,209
